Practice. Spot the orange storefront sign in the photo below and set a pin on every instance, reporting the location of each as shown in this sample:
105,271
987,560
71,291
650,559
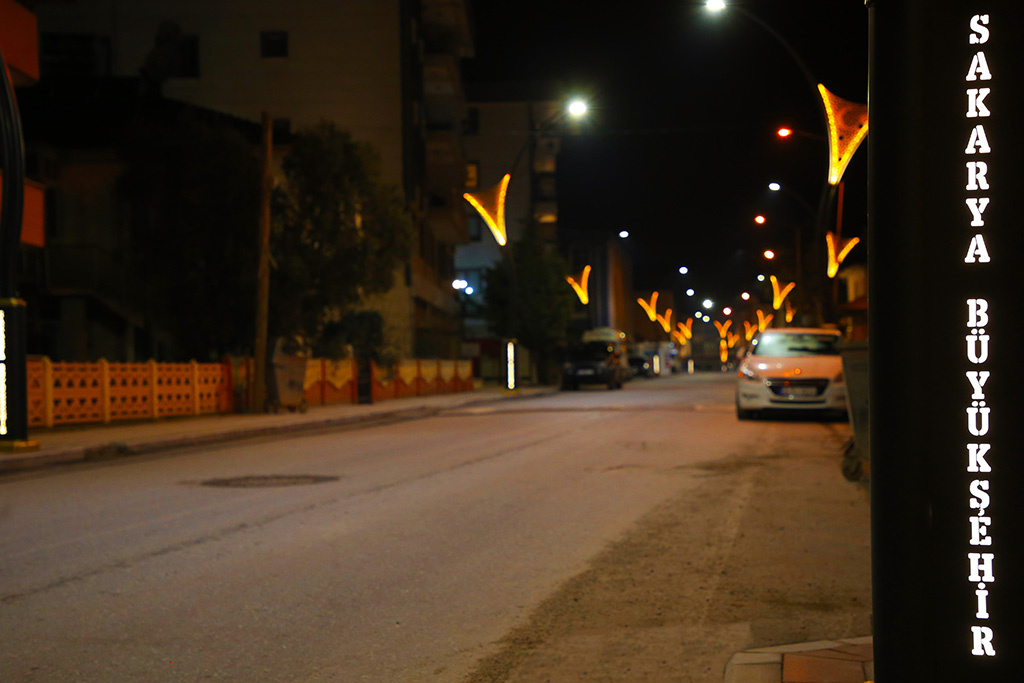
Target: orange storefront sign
32,232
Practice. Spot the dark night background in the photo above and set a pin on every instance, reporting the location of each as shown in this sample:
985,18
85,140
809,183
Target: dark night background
681,143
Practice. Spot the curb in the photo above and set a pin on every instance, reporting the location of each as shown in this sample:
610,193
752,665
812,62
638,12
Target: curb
115,449
830,661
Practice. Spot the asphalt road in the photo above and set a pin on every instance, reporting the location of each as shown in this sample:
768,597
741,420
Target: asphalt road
427,543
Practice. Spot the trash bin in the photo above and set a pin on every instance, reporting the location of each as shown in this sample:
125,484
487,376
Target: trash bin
289,376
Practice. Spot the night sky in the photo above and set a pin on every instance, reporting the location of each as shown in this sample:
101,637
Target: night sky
681,145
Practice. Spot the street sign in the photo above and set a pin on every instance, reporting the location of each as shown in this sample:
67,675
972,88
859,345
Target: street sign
945,247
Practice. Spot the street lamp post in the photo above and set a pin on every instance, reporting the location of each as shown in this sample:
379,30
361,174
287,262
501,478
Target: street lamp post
845,124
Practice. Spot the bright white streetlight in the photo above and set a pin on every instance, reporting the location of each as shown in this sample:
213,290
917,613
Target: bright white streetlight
774,187
577,108
760,277
727,311
469,290
459,284
689,292
623,234
707,303
745,296
706,319
715,5
769,254
683,270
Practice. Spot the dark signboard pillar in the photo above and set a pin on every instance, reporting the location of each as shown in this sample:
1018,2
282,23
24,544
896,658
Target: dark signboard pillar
946,244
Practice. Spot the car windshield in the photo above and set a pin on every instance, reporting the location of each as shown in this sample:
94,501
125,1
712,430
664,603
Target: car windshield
797,345
593,351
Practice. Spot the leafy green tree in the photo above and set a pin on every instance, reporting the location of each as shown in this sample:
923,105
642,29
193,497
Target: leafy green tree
339,232
527,298
193,189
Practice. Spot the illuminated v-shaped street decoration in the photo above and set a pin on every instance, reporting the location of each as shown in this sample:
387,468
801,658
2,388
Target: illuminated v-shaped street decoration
763,321
847,127
580,287
834,258
491,206
779,293
652,307
686,329
749,329
666,320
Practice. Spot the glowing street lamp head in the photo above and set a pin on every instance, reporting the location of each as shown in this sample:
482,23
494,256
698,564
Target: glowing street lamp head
689,292
577,108
784,132
707,303
623,234
774,187
760,277
715,5
683,270
769,254
745,296
727,311
759,219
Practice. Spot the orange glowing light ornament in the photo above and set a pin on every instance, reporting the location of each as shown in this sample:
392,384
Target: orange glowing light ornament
723,328
834,258
733,340
581,287
666,320
763,321
790,312
749,329
779,293
847,128
650,307
490,204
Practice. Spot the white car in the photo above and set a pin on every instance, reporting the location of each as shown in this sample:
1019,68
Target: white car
794,368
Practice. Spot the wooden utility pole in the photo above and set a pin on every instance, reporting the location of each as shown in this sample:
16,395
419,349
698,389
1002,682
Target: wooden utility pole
259,392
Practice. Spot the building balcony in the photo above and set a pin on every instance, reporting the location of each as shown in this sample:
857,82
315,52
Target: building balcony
444,99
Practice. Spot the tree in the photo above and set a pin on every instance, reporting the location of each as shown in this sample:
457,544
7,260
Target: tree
339,232
193,189
528,299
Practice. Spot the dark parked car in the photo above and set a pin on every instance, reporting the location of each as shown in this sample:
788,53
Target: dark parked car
642,366
595,362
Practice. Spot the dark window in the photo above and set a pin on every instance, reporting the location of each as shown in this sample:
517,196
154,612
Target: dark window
273,43
188,58
282,130
74,54
476,224
471,126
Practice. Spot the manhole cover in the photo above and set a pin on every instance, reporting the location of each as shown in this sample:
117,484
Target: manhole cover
268,480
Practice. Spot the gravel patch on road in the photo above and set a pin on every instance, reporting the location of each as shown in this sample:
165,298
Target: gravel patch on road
765,549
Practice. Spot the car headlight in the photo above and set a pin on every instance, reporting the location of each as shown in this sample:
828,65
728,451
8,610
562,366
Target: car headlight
748,374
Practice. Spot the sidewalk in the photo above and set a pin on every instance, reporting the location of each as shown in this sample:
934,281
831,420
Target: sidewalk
77,443
842,661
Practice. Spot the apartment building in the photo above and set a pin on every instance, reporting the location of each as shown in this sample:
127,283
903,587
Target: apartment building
387,70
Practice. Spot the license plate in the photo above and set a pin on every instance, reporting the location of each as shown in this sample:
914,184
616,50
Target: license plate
585,371
802,392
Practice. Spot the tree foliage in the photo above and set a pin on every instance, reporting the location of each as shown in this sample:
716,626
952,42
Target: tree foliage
339,232
527,297
192,187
